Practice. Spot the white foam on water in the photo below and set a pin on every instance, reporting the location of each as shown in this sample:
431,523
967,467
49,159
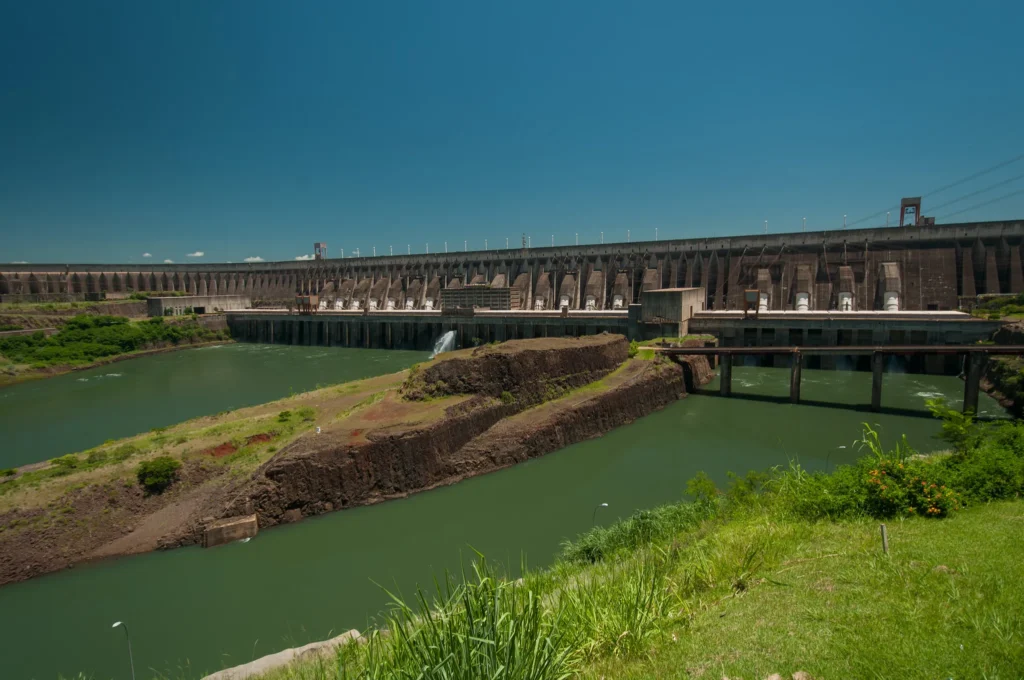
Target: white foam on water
83,380
929,395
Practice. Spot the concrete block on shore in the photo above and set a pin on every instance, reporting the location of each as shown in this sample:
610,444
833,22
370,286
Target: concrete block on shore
283,658
231,529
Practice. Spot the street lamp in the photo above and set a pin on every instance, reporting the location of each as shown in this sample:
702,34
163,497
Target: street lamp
593,517
627,236
766,226
655,233
805,224
131,661
602,237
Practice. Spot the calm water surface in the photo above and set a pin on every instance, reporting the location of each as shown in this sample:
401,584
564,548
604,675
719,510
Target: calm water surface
43,419
195,610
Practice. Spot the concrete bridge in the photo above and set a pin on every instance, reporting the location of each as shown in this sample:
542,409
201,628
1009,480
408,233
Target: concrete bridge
974,366
914,268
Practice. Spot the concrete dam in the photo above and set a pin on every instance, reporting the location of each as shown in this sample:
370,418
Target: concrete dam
891,269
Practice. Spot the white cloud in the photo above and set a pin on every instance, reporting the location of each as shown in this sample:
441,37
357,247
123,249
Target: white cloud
304,257
168,261
198,253
147,255
254,258
23,261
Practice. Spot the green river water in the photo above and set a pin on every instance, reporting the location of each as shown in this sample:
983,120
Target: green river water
195,610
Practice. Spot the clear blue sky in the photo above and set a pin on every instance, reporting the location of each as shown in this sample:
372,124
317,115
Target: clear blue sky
253,128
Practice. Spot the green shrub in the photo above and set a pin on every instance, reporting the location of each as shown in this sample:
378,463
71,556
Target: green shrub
507,398
96,457
68,462
8,472
634,348
158,474
306,413
284,416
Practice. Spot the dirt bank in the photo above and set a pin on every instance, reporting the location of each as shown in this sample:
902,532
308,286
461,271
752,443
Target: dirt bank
402,452
458,416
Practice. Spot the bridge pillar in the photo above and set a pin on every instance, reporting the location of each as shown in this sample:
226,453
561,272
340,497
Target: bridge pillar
975,367
877,371
725,376
794,378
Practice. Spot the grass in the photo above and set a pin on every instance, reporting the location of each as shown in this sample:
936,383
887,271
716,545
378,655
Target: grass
749,581
680,340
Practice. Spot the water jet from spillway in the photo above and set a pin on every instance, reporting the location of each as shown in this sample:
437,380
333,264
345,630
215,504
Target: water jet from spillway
445,343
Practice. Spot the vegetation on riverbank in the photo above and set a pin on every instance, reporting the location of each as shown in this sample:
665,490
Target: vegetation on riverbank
1000,307
87,339
780,572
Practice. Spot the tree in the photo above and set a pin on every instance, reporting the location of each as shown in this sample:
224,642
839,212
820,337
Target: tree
158,474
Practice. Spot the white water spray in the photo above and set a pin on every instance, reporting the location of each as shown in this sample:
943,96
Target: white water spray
445,343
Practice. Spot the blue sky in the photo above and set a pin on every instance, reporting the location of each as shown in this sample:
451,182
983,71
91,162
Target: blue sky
253,128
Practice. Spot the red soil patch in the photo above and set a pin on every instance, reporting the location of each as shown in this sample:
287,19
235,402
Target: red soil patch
356,433
225,449
261,437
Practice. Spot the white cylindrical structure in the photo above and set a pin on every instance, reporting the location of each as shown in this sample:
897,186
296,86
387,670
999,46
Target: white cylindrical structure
846,302
803,302
617,302
538,304
591,303
762,302
891,301
428,303
390,305
563,301
409,304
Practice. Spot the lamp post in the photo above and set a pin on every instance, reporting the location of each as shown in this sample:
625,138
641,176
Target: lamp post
593,517
766,226
805,224
131,661
627,236
655,233
602,237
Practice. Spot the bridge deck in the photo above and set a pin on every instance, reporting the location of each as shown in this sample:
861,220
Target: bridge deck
851,350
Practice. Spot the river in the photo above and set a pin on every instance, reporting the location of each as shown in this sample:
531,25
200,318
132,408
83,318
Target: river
46,418
195,610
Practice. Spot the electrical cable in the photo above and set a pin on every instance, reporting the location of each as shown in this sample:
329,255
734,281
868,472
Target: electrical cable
976,175
984,203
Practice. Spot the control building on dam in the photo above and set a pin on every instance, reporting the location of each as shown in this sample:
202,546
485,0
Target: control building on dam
893,269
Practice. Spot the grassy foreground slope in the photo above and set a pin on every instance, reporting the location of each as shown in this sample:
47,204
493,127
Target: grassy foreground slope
781,572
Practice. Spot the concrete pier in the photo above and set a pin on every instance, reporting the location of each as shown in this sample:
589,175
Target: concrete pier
725,376
877,371
794,378
975,368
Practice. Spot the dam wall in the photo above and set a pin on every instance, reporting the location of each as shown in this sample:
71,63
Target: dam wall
916,268
396,330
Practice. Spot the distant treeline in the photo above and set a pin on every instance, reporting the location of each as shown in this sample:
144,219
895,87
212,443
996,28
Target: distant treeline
85,339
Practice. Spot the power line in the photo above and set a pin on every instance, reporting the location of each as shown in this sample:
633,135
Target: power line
979,191
976,175
984,203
